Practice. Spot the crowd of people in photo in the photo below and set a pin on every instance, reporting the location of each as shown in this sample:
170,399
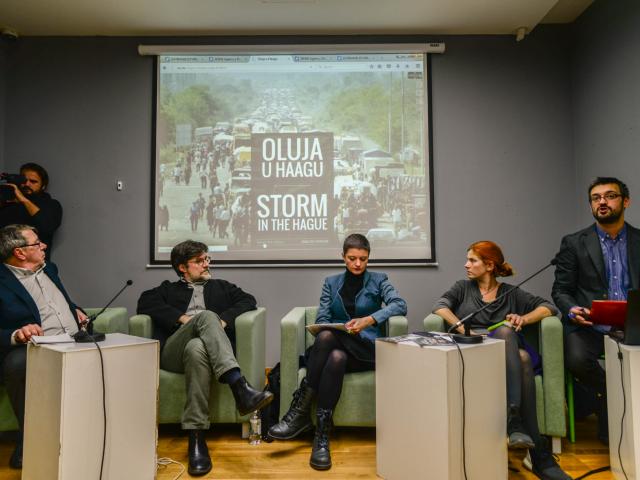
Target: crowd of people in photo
216,205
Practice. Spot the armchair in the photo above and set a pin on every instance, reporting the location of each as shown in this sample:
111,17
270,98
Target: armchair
546,338
357,405
112,320
250,352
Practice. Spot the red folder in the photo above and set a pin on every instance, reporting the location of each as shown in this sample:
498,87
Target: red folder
609,312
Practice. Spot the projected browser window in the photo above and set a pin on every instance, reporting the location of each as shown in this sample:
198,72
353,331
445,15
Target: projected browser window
273,159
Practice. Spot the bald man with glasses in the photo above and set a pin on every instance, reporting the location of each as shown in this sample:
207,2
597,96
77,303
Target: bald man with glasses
194,320
33,301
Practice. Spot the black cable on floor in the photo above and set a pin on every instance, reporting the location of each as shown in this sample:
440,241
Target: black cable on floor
593,472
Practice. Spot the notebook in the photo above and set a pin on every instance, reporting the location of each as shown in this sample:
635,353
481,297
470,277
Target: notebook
609,312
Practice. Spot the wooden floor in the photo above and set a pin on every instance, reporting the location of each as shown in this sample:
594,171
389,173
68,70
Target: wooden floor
353,453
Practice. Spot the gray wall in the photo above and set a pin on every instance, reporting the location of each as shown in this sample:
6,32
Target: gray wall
3,76
503,168
606,98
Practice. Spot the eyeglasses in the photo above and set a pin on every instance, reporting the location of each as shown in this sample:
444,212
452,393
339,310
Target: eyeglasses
609,197
201,261
36,244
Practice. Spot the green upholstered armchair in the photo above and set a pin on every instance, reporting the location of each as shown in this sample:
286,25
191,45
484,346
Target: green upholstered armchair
546,338
357,405
250,353
112,320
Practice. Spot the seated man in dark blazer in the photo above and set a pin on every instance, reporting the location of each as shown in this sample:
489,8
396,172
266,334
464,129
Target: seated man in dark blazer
194,320
33,301
599,262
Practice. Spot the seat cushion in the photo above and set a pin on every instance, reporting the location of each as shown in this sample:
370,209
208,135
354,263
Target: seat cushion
357,406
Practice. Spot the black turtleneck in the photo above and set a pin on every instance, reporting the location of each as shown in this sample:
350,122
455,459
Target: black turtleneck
352,285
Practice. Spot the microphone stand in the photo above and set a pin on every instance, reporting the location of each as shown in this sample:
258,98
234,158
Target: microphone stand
83,336
467,338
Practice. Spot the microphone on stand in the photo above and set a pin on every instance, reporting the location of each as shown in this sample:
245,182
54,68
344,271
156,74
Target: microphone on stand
83,335
467,337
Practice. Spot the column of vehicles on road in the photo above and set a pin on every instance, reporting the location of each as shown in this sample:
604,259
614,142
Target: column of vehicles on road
356,169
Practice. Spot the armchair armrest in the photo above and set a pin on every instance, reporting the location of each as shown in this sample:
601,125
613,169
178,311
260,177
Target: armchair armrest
112,320
141,326
434,323
552,351
292,345
250,345
398,325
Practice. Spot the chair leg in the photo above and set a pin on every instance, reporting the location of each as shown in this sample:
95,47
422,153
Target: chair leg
570,407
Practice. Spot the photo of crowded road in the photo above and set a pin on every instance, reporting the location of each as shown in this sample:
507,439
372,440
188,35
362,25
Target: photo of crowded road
203,187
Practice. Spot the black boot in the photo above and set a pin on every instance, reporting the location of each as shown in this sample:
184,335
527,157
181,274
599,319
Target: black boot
16,457
298,418
199,459
320,454
515,430
543,464
248,399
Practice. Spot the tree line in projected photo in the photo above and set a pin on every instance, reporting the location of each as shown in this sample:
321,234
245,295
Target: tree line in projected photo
274,159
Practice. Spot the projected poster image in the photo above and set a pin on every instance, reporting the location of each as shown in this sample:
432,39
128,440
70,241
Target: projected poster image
275,159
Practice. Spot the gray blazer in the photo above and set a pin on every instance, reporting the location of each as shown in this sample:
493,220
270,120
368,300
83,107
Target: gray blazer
581,275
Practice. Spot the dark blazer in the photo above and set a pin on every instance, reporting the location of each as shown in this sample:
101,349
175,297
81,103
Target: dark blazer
166,303
581,275
376,290
17,308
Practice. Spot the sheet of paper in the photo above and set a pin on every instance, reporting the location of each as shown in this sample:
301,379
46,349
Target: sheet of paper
50,339
318,327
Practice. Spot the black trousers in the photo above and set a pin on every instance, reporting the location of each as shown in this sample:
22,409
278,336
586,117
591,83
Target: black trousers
582,350
13,366
332,355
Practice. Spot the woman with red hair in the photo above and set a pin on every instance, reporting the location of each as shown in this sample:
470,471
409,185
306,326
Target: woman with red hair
485,264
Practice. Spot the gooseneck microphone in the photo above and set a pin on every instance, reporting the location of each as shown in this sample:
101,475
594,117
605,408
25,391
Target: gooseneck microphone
83,335
467,337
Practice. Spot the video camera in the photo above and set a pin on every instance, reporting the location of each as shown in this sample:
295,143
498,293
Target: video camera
6,192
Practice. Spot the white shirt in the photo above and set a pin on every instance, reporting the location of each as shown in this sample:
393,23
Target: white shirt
55,315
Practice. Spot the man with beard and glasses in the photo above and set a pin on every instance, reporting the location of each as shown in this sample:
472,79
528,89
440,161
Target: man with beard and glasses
601,262
32,205
194,320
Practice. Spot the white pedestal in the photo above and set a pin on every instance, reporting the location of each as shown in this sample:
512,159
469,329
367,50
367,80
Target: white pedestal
631,431
419,411
64,415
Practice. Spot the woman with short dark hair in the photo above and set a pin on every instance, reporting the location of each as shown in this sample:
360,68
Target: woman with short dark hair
354,298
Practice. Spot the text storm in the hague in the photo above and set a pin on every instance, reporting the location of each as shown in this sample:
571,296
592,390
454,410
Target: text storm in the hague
292,189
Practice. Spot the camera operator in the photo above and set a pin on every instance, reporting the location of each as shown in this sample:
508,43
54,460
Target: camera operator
30,204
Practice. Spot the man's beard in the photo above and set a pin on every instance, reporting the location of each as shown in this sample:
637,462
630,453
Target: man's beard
204,276
610,217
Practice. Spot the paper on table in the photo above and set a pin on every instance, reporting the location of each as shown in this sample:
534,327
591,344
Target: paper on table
50,339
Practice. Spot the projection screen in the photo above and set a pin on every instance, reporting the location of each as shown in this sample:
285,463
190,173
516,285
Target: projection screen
272,156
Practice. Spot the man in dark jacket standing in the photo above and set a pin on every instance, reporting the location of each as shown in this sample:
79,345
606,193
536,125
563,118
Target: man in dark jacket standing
194,320
598,263
32,205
